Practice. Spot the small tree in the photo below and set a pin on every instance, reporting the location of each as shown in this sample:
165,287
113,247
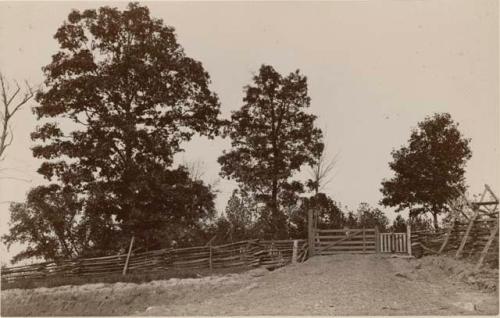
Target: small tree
321,172
272,137
218,232
351,220
399,224
242,214
369,217
429,170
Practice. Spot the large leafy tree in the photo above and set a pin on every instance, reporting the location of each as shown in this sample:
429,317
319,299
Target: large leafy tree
50,226
272,137
120,99
429,170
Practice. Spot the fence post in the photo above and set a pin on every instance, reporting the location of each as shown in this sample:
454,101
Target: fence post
484,252
128,256
310,232
294,252
408,236
210,255
377,240
364,239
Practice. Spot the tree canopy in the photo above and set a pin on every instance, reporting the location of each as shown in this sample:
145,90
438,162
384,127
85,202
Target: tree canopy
120,99
272,137
430,169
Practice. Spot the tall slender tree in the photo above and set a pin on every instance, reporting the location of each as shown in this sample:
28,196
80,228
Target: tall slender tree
272,137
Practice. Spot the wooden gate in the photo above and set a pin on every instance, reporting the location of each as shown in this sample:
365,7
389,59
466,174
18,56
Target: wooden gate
328,242
338,241
393,243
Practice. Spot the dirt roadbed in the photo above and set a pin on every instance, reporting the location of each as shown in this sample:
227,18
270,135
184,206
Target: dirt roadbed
328,285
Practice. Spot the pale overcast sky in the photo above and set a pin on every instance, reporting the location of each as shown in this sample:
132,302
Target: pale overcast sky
374,68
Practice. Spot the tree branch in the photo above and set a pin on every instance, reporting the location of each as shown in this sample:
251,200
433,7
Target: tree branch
8,111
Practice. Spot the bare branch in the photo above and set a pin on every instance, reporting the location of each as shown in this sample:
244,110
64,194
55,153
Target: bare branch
13,95
6,133
11,135
196,169
321,172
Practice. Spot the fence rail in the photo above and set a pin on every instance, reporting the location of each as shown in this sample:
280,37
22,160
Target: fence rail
327,242
434,242
250,253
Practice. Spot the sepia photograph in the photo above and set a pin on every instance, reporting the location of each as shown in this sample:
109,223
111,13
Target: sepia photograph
249,158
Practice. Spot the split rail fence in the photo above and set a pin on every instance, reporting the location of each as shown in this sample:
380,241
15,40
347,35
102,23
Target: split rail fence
250,253
472,230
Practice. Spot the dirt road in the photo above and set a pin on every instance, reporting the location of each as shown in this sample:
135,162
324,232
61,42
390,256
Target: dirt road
333,285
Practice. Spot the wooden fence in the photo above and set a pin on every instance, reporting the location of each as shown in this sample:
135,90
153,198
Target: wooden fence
472,230
478,240
250,253
393,243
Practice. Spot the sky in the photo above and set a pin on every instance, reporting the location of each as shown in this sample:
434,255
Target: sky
374,68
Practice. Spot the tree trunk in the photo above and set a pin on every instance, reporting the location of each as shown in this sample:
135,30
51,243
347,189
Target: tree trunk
274,210
435,219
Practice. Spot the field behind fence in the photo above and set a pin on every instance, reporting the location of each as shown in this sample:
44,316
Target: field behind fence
251,253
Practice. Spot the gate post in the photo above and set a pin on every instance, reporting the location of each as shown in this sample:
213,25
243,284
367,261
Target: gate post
294,251
364,239
310,232
377,240
408,236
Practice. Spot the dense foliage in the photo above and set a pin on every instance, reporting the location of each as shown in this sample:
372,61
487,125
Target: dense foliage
368,217
429,170
399,224
242,213
120,99
241,220
328,213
